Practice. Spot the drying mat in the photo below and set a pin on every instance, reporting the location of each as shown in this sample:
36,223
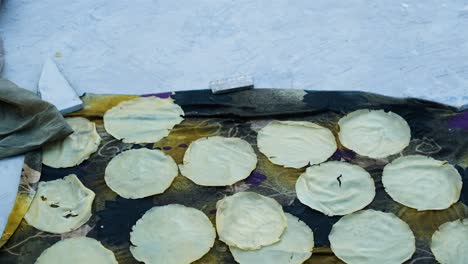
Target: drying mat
437,130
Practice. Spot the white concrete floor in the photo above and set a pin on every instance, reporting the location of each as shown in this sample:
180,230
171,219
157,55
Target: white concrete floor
400,48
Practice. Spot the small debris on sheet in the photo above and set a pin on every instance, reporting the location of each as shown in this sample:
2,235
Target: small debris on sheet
242,82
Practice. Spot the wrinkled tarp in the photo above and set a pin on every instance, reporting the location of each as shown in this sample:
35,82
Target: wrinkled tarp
27,122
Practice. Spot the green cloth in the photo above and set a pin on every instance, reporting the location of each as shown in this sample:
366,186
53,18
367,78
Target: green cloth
26,121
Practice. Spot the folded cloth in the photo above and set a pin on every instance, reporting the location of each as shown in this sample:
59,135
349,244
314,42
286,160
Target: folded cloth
27,122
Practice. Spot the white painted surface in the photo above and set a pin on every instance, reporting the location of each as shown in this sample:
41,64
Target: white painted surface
54,88
11,170
399,48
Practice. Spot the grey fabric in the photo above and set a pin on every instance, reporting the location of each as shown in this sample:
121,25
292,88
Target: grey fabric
27,122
